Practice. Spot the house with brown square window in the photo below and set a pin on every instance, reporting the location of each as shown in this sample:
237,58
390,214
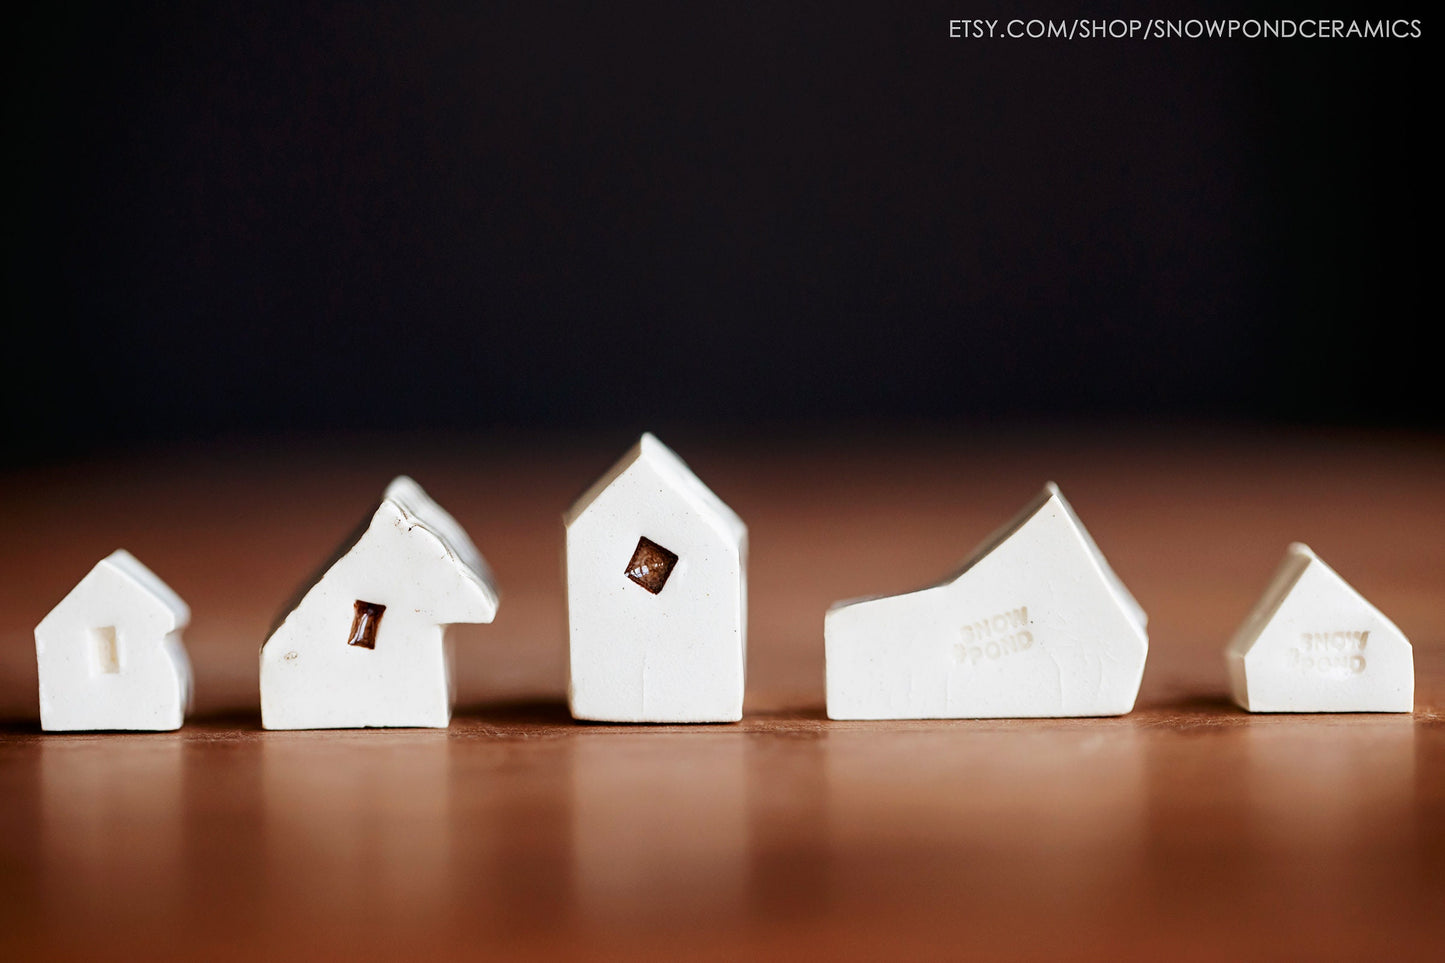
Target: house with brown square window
367,643
656,569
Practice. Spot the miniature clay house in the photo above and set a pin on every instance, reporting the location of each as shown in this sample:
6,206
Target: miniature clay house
367,644
1314,644
110,655
1035,623
656,595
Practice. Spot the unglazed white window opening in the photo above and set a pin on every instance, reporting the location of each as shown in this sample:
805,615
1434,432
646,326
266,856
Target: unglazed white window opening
106,650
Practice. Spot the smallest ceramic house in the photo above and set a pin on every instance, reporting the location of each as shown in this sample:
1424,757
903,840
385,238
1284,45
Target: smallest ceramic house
1313,644
656,595
110,655
367,643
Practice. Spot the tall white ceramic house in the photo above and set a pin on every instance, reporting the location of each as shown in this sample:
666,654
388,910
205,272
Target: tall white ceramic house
656,595
367,644
1314,644
1035,623
110,655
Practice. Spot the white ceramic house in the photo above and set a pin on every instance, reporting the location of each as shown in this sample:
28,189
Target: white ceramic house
367,644
656,569
1314,644
110,655
1035,623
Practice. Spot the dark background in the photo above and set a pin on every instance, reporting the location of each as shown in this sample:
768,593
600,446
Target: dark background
237,220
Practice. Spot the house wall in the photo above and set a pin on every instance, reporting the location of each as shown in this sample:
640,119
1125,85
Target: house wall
637,656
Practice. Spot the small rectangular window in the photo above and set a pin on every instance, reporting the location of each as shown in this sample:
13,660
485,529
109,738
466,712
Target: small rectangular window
105,650
365,624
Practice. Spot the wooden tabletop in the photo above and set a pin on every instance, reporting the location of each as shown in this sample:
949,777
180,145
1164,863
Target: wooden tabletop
1185,830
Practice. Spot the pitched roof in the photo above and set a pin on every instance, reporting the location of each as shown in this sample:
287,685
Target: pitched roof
128,570
1298,559
414,503
671,469
1051,493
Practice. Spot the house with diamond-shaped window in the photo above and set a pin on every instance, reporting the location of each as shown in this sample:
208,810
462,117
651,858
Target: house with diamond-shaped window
656,569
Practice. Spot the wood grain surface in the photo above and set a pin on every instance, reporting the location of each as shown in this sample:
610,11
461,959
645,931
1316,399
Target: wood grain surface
1185,830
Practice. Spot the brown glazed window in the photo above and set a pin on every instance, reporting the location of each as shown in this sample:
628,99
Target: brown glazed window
363,627
651,565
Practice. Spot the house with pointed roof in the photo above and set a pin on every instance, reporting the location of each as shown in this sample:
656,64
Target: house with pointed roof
656,572
110,655
1314,644
1035,623
367,643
